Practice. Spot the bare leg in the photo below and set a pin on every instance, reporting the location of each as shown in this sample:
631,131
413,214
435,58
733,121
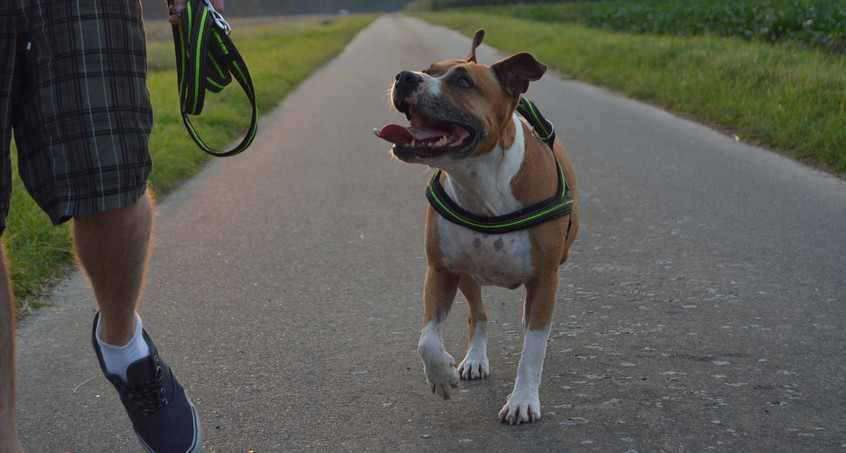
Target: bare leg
8,436
112,248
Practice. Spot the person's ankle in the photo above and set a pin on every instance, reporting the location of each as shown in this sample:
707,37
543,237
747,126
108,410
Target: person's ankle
117,359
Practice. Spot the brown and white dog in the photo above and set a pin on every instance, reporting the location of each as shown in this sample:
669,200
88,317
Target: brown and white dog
463,122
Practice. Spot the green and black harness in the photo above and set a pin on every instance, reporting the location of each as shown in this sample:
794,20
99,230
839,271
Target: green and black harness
554,207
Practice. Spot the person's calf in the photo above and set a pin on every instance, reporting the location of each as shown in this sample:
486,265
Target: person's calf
8,435
112,247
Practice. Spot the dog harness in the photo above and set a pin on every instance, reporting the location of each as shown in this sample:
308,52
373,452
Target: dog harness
206,59
554,207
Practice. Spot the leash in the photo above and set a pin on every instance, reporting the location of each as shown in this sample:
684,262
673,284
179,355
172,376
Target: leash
554,207
206,59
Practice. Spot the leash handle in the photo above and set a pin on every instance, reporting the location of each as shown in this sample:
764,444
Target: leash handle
206,59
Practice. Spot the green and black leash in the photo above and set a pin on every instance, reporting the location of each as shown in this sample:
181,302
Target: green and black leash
554,207
206,59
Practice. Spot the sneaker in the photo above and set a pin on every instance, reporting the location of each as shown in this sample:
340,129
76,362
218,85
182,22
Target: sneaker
161,413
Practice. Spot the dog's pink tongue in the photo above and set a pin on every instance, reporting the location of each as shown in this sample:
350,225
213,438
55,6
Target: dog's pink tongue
395,133
402,135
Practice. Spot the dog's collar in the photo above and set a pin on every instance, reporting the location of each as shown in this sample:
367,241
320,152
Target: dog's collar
556,206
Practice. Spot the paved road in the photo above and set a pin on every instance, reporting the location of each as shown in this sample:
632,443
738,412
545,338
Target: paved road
702,308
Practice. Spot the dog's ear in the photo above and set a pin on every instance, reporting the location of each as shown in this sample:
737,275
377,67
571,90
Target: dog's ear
515,72
477,39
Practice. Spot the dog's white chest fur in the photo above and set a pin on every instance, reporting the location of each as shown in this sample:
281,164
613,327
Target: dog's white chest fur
484,185
498,259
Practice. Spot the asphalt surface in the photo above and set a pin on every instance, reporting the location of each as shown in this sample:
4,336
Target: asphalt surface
702,307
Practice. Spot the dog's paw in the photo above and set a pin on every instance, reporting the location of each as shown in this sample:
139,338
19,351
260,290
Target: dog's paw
473,367
521,407
442,376
438,365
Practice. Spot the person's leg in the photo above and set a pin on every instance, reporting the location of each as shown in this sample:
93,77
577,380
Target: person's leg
8,61
8,437
87,158
112,248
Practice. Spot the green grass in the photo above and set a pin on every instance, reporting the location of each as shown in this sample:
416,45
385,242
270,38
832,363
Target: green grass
786,97
37,252
278,57
816,23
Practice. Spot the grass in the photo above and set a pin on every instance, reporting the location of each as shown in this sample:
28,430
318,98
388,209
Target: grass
786,97
278,56
816,23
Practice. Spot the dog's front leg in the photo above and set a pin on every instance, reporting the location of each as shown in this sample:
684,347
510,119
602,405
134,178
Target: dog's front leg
523,405
438,295
475,364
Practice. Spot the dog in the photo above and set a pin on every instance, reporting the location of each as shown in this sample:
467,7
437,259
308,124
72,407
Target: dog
491,163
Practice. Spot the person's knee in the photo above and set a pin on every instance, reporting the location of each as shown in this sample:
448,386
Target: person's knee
137,214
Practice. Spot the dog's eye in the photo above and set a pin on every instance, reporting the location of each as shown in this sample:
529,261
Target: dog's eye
462,80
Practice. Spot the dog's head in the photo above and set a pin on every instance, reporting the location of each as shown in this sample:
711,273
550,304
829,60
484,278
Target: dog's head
458,108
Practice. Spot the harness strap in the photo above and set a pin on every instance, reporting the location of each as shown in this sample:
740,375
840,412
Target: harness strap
541,127
206,59
556,206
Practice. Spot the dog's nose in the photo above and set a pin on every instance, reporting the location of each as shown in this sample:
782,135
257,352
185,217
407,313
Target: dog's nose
407,80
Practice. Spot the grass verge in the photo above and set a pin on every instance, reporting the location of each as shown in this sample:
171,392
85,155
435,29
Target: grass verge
785,97
278,56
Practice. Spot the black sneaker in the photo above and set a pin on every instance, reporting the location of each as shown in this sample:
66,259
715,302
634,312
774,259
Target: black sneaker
161,413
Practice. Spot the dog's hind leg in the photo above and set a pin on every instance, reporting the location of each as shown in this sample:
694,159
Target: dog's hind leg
438,295
475,364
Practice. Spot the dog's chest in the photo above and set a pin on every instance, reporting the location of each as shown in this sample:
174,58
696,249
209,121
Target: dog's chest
492,259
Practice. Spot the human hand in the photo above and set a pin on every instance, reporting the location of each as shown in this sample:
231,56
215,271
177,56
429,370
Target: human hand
178,5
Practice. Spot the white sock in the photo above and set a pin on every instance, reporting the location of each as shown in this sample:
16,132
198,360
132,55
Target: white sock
118,358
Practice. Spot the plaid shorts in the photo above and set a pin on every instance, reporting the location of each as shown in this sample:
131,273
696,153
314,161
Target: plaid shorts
73,91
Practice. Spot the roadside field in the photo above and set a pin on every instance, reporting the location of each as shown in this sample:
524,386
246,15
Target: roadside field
816,23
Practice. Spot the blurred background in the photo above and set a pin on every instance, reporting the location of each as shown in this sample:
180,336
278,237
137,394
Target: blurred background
155,9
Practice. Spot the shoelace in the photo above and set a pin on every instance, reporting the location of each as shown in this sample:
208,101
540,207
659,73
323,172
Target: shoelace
148,397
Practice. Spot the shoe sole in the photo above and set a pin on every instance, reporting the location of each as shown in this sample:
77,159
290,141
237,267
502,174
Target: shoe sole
197,445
